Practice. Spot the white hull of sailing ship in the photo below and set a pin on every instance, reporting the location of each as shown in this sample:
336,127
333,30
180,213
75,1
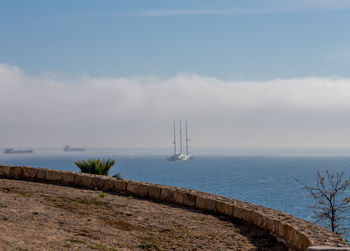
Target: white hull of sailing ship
181,156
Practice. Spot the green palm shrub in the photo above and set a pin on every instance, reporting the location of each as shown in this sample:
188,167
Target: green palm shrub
95,166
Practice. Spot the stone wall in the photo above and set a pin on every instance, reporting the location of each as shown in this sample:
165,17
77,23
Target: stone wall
296,233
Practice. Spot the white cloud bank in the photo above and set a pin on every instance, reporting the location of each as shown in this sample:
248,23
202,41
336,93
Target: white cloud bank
137,112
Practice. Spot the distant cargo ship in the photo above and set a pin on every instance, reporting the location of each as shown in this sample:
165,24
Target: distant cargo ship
68,148
12,151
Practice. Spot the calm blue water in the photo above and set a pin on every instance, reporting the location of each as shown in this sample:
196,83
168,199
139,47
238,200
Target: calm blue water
268,181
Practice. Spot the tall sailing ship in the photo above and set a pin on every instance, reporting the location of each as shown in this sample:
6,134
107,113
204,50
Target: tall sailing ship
181,156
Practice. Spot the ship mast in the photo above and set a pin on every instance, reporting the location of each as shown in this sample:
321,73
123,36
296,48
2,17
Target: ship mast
180,138
187,139
174,142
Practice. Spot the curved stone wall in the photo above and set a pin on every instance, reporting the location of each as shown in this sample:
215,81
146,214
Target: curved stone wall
296,233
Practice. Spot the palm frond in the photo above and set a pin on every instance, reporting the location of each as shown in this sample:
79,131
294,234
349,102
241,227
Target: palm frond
95,166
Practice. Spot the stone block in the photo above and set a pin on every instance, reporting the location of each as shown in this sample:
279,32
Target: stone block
263,222
120,185
243,213
205,203
78,179
190,200
154,192
82,180
256,218
179,197
86,181
68,178
271,225
328,248
4,171
42,174
16,171
297,239
237,212
142,190
288,231
224,208
279,228
53,175
30,173
166,195
303,241
292,236
132,187
284,230
246,215
98,181
138,189
108,184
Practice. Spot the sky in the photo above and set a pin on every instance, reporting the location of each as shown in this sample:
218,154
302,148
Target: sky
246,73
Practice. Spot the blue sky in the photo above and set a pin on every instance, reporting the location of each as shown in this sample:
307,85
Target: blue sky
244,73
250,40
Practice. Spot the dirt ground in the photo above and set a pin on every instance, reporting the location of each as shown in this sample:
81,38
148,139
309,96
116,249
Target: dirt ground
38,216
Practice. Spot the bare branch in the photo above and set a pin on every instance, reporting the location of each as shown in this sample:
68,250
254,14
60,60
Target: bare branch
331,207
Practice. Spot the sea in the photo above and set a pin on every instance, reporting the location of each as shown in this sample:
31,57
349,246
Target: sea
266,177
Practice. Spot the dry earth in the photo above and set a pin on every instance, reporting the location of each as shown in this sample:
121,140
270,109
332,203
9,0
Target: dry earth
38,216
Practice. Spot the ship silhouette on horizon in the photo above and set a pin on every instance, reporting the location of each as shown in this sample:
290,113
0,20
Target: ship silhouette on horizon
68,148
181,156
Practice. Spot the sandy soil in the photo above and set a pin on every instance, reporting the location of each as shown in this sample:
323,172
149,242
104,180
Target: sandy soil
37,216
